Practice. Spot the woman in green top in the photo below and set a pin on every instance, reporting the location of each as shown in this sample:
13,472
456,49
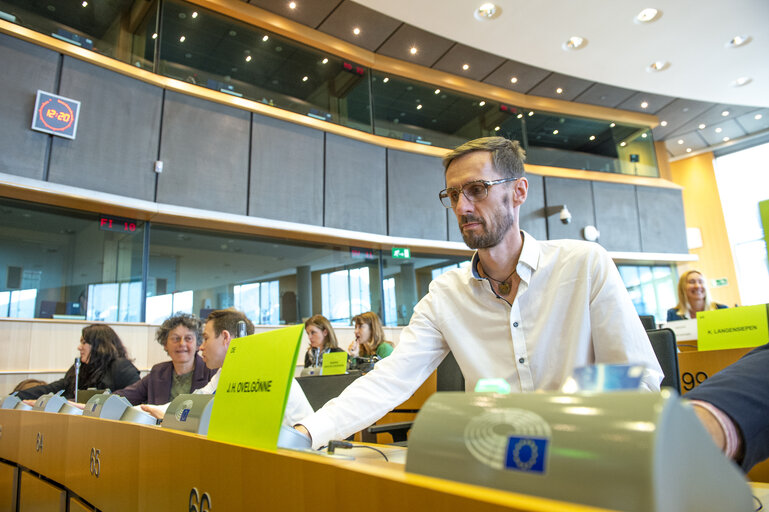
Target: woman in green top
369,337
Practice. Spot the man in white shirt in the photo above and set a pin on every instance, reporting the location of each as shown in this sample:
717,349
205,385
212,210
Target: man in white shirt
219,330
526,311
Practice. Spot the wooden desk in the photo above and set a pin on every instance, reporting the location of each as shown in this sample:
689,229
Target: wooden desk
149,468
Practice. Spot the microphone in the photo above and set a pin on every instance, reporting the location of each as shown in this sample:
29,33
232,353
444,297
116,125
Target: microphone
77,375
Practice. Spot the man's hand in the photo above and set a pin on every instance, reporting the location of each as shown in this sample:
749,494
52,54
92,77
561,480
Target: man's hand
155,411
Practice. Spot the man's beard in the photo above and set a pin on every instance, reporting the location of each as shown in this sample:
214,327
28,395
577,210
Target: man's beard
493,234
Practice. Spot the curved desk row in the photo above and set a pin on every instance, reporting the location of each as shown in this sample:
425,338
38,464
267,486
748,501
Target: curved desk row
118,466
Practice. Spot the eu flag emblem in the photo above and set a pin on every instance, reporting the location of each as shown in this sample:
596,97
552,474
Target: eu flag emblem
526,454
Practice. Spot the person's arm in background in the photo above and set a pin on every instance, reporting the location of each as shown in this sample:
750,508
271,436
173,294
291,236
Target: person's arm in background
124,373
42,389
741,393
137,393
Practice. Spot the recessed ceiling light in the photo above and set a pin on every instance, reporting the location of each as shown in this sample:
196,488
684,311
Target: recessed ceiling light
265,38
688,150
555,132
305,78
324,61
248,58
292,5
232,33
182,39
465,66
386,79
574,43
757,117
155,35
726,139
644,104
643,135
356,31
725,113
738,41
487,11
481,103
648,15
663,123
531,113
519,116
658,65
413,50
718,130
84,4
496,128
680,141
702,126
592,137
612,125
437,91
743,80
194,14
623,144
419,107
514,80
559,91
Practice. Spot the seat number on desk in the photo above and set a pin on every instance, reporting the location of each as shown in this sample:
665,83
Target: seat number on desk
199,503
39,442
692,380
95,462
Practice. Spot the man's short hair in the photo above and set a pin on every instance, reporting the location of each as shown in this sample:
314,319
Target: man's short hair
227,319
507,155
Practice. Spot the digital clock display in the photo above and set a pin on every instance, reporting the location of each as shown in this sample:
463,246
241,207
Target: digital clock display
56,115
117,224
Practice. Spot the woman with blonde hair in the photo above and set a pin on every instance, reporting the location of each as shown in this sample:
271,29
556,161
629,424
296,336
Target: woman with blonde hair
693,297
322,340
369,337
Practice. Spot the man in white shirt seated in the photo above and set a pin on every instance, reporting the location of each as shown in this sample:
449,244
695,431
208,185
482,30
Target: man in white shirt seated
527,311
220,328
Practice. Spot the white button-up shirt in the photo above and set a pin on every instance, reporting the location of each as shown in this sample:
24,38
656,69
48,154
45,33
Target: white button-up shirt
571,310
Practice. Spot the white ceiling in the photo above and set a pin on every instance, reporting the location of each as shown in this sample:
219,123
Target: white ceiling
690,34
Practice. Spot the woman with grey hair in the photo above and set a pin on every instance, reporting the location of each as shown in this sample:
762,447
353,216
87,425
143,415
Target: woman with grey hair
180,336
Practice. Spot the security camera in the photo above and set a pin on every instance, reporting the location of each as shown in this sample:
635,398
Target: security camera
565,215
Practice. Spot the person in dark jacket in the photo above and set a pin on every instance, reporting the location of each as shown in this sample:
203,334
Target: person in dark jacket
104,365
180,336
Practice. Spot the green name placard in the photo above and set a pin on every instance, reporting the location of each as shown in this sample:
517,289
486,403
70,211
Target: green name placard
334,363
253,388
732,328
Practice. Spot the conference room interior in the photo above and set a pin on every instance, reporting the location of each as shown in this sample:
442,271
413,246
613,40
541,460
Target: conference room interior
227,156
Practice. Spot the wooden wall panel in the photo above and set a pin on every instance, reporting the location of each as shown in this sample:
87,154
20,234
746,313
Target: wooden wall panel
661,213
117,134
578,197
25,69
356,186
204,148
413,183
286,171
616,214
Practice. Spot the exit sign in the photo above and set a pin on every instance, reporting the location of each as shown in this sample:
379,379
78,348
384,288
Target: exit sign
401,252
718,283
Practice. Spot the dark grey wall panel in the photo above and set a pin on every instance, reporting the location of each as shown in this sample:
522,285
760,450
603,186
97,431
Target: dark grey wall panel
413,206
532,212
117,135
663,228
204,147
577,196
286,171
356,187
616,215
25,69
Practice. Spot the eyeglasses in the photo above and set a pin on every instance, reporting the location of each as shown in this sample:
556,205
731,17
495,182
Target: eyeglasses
474,191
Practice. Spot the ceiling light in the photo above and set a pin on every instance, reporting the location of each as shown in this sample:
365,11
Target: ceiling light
574,43
413,50
644,104
356,31
559,91
724,113
487,11
612,125
482,103
84,4
386,79
648,15
265,38
757,117
726,139
232,33
496,128
680,141
292,5
718,130
419,107
623,144
664,123
305,78
155,35
643,135
743,80
658,65
437,91
194,14
465,66
519,116
702,126
688,150
555,132
531,113
248,58
514,80
182,39
738,41
592,137
324,61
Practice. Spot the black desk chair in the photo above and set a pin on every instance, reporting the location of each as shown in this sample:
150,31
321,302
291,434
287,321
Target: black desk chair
664,344
648,322
320,389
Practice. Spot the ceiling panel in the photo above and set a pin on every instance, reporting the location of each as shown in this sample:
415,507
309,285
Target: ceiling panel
755,120
374,27
525,76
604,95
656,102
481,63
429,47
716,133
570,86
308,12
679,116
715,114
681,145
